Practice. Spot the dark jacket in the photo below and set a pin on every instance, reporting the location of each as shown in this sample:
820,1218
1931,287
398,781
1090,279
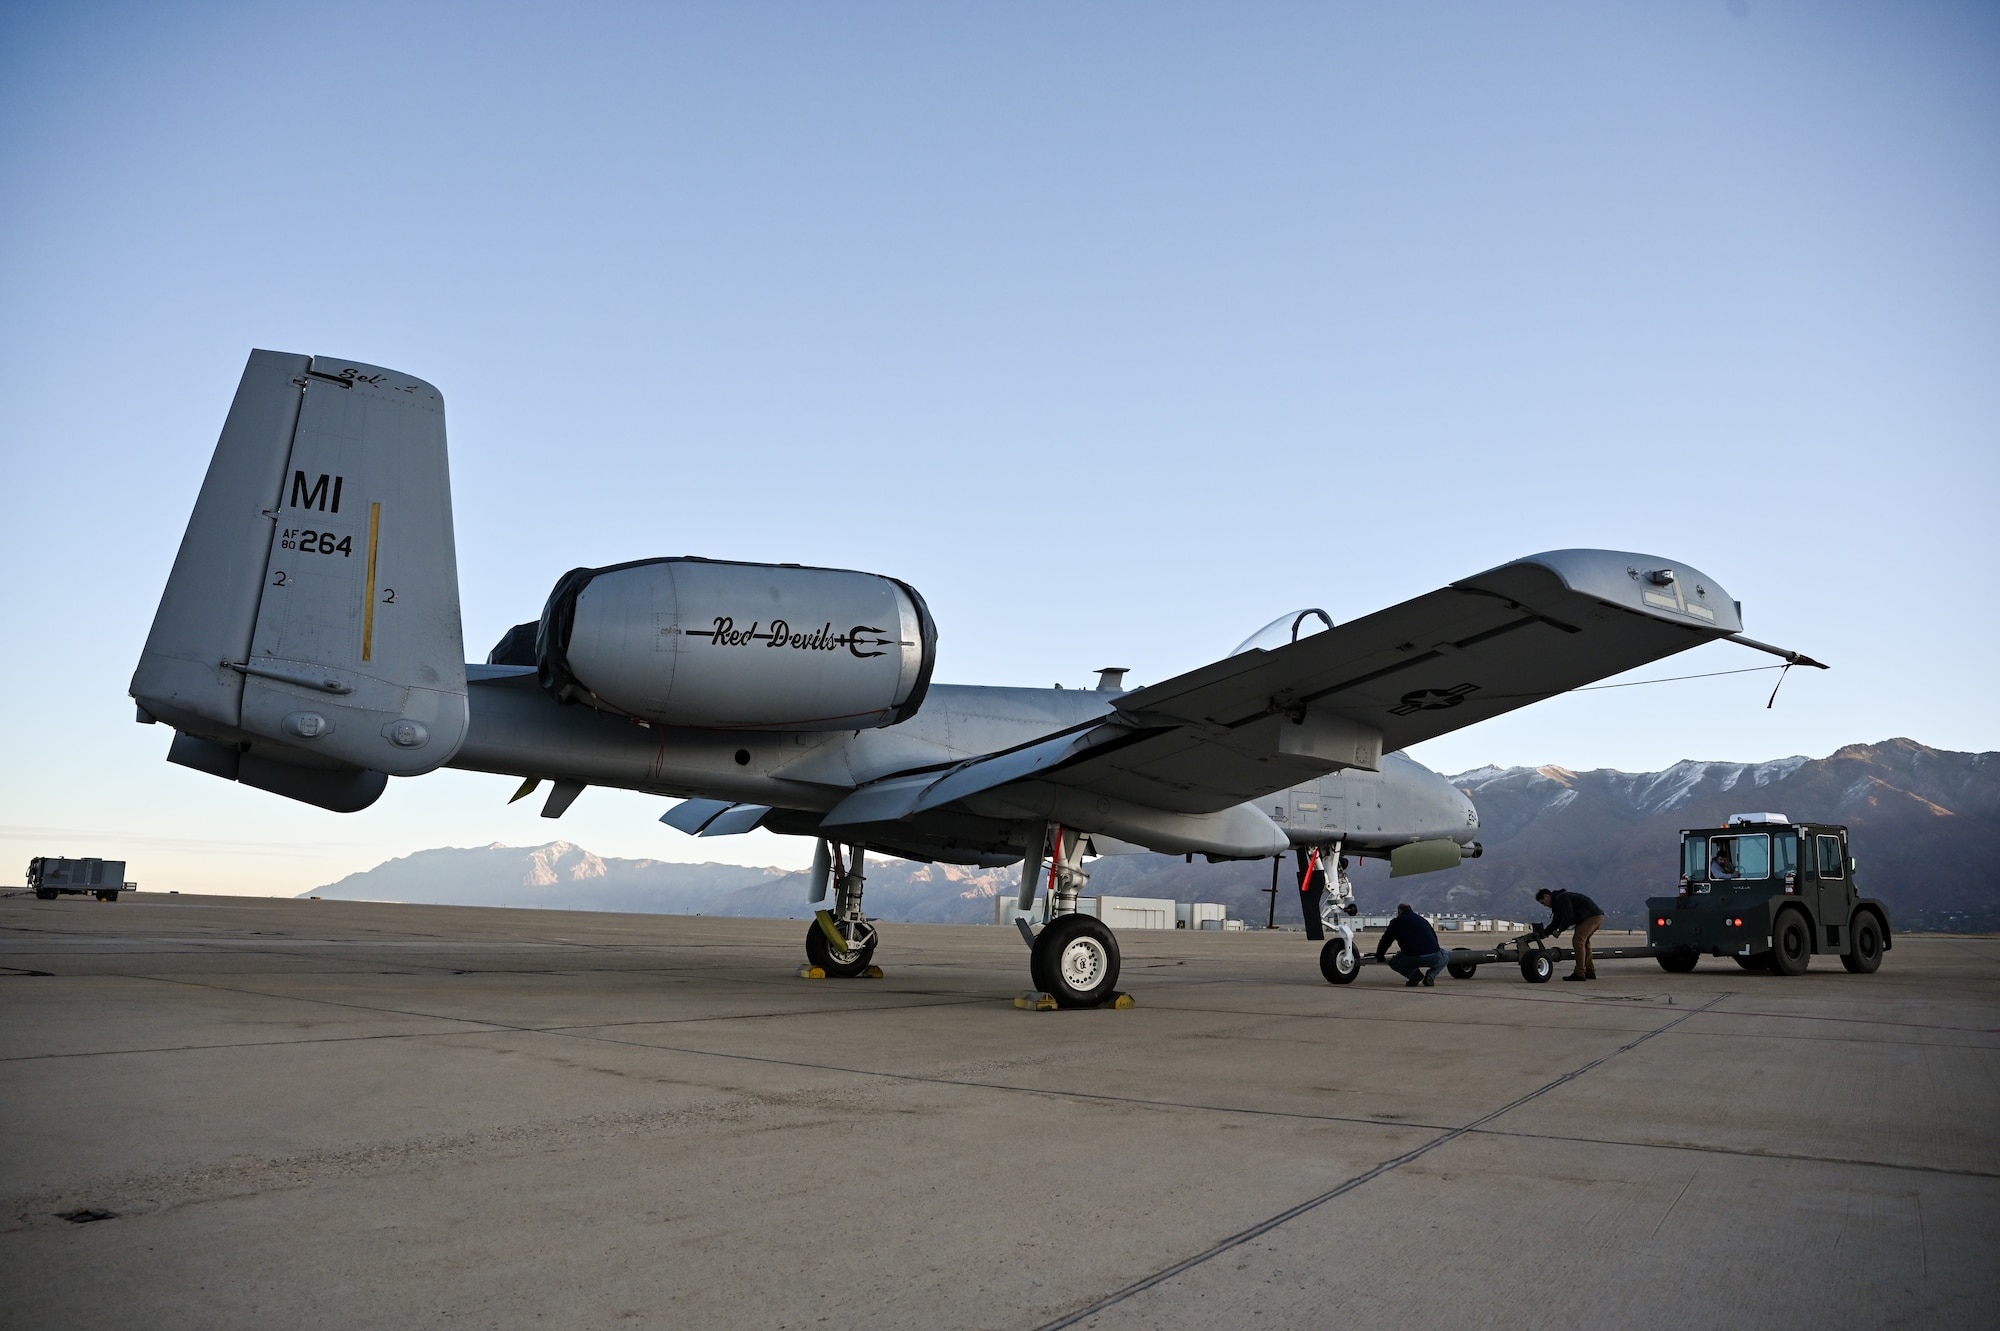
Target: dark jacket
1569,909
1413,931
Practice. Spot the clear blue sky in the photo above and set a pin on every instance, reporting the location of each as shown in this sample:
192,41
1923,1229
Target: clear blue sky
1117,329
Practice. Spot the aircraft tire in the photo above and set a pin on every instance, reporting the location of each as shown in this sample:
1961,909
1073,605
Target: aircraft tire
1335,964
1461,970
843,965
1075,959
1866,952
1680,960
1537,967
1791,944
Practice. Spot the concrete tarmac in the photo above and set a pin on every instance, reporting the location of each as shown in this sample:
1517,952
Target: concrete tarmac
340,1114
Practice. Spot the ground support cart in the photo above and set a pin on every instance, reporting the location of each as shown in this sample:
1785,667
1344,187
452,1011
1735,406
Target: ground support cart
51,876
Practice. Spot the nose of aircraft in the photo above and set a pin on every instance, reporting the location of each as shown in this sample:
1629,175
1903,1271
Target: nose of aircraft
1466,815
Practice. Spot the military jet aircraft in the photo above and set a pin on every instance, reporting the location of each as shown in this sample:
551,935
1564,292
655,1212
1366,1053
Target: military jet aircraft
308,643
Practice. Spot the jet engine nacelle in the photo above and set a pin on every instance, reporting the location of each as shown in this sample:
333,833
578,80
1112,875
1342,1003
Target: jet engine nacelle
727,646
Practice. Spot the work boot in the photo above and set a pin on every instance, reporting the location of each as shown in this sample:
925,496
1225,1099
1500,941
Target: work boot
1576,977
1412,982
1430,982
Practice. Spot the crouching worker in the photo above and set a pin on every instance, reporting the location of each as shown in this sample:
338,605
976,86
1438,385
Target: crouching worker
1573,910
1418,948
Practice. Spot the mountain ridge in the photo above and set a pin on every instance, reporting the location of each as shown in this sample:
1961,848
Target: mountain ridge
1921,821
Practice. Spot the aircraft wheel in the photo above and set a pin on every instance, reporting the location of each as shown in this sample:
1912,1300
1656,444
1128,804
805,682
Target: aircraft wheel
1866,953
1680,960
1461,970
846,963
1336,964
1756,961
1537,967
1076,959
1791,944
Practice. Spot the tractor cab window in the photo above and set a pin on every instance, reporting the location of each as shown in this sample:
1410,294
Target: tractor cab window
1694,857
1735,858
1784,855
1829,857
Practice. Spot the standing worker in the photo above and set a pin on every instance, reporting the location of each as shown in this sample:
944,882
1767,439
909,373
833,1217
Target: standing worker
1573,910
1418,948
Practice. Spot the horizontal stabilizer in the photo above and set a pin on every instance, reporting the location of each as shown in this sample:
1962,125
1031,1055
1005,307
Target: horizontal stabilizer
691,816
736,819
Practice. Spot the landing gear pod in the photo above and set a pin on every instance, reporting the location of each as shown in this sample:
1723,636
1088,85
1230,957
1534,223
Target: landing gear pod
726,646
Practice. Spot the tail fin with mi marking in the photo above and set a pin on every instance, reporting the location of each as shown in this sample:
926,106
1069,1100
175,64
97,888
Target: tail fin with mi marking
308,639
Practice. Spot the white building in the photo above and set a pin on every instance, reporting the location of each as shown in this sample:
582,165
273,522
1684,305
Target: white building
1125,912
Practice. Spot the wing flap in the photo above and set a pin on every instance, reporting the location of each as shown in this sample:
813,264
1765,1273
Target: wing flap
736,819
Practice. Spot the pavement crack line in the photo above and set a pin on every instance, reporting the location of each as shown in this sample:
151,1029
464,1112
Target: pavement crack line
1168,1006
590,1034
1290,1213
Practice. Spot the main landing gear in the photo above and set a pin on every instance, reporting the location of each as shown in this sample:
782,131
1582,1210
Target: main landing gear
840,941
1074,959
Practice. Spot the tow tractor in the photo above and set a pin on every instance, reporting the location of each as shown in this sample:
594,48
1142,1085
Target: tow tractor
1764,891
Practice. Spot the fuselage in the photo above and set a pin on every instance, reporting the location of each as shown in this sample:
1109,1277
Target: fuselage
518,730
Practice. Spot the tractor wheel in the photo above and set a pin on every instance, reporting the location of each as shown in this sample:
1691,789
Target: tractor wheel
1866,936
1791,944
1680,960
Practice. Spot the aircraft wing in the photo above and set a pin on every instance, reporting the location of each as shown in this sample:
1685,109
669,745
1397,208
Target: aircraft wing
1260,721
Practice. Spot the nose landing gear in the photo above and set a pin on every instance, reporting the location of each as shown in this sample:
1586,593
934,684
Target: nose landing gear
1339,961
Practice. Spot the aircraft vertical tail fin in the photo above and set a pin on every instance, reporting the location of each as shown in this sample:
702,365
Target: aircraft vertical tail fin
308,640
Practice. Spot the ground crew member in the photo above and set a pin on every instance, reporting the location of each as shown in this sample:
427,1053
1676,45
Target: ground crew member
1418,948
1573,910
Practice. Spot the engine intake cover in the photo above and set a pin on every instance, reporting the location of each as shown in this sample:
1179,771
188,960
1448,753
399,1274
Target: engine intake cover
725,646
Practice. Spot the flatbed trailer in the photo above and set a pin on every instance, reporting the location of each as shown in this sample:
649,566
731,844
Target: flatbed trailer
1537,959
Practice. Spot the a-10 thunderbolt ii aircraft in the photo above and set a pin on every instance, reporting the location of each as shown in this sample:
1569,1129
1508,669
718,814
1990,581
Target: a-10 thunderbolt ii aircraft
308,644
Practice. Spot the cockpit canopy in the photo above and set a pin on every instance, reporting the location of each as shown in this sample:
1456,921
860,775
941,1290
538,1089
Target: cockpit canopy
1285,630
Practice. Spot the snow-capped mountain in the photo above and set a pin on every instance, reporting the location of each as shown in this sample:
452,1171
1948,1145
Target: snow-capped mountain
1924,824
564,876
1922,820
